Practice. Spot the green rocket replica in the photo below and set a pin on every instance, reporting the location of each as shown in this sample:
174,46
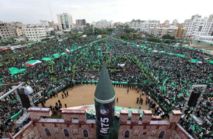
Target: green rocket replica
104,105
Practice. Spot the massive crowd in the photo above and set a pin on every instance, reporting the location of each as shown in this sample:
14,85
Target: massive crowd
164,71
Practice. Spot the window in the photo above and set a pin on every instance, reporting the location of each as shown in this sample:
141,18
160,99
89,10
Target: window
126,135
85,132
66,133
47,132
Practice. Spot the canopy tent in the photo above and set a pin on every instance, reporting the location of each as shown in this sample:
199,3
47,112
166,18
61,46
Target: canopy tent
14,70
31,63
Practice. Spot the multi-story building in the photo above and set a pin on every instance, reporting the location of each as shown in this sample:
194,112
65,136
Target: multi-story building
102,24
136,24
171,30
7,30
175,31
118,24
35,32
65,21
194,25
155,28
19,28
49,24
181,31
207,30
161,31
198,26
80,22
175,22
144,26
166,23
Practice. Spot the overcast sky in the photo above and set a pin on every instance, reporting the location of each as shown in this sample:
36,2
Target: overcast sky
31,11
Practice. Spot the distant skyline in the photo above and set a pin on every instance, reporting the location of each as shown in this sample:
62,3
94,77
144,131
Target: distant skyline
32,11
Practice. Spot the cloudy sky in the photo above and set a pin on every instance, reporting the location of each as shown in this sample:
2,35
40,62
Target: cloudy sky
31,11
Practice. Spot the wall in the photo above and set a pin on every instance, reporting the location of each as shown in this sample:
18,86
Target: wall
134,127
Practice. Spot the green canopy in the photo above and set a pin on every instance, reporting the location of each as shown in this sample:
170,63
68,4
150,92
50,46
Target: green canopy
63,53
180,94
1,80
14,70
143,46
195,61
163,89
150,49
121,83
57,55
47,59
210,61
15,116
180,55
170,53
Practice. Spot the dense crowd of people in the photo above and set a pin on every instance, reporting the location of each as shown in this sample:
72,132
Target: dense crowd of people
164,71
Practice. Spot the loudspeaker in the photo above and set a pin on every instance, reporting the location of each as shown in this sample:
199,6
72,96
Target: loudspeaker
195,94
24,98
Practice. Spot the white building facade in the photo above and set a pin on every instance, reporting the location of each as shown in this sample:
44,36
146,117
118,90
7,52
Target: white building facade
35,32
200,29
144,26
7,30
161,31
103,24
198,26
